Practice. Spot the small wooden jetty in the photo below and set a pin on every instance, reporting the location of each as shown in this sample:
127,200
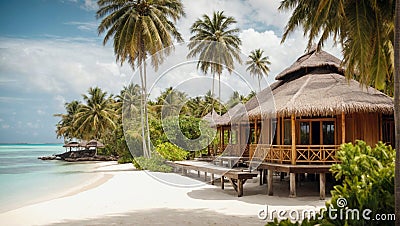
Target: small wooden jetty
237,177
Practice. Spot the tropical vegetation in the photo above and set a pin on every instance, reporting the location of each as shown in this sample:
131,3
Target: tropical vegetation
257,65
217,45
140,29
99,116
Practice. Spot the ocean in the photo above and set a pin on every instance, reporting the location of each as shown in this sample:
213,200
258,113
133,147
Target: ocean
24,179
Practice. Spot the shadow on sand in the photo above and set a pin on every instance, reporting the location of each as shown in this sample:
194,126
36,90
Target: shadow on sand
166,216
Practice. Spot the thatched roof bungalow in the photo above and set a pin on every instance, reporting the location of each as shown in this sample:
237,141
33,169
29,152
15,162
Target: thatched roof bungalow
313,104
298,123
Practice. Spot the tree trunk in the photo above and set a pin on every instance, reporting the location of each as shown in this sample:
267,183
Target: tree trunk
145,108
142,115
397,108
212,94
219,93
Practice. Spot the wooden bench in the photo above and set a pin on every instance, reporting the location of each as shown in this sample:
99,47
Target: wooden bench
235,176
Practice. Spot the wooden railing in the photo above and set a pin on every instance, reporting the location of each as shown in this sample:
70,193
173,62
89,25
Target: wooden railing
305,154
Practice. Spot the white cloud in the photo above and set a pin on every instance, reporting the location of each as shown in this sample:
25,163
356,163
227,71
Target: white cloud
5,126
60,67
89,5
84,26
40,112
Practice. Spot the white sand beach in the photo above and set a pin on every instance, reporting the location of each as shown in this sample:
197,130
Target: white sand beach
121,195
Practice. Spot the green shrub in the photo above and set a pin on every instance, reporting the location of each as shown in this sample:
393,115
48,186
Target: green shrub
156,164
367,176
125,159
171,152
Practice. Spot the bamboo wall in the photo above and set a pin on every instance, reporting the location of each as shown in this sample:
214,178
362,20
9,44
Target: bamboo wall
363,126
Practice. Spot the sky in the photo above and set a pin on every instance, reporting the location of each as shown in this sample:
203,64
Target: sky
51,54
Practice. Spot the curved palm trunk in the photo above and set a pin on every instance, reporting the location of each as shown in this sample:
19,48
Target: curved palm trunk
397,108
259,84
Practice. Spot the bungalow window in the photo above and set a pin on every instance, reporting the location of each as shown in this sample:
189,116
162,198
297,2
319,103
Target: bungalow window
304,133
287,137
328,132
233,138
312,132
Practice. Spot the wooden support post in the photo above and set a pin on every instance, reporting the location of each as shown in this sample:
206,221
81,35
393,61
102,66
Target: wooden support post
255,132
261,176
294,153
265,176
343,128
222,182
240,187
322,181
212,179
205,176
278,135
270,182
292,185
198,173
221,140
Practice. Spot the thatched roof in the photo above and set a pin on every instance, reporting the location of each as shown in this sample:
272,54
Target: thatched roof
212,117
71,144
95,143
228,117
308,62
323,94
315,86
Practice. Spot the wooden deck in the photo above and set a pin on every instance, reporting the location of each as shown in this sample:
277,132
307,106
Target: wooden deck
267,169
237,177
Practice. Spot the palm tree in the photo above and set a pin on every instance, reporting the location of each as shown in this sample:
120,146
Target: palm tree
171,102
258,65
140,28
96,116
369,34
65,127
216,44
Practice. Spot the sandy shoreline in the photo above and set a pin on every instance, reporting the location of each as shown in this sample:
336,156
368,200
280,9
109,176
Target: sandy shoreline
124,196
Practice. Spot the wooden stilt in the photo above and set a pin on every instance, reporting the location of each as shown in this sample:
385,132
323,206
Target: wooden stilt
222,182
292,185
270,183
265,176
212,179
322,181
294,153
205,176
240,187
198,173
261,176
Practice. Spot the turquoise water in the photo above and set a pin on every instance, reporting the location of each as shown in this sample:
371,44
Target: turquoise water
24,179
